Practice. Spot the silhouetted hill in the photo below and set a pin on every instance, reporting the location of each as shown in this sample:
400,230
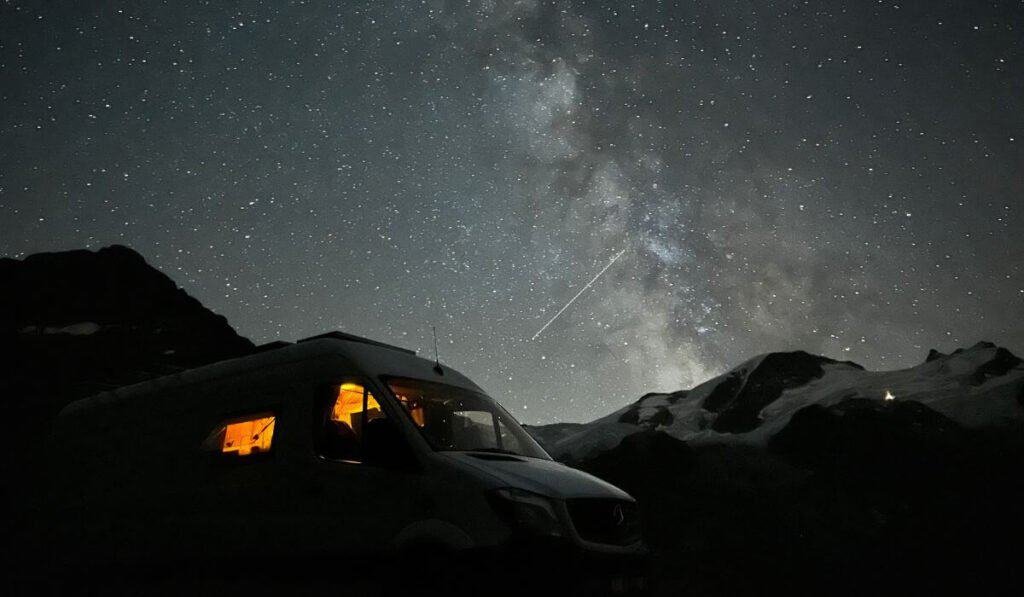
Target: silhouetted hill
871,437
78,322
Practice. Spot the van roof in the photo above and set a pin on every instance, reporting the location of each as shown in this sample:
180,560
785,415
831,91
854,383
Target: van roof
360,339
371,357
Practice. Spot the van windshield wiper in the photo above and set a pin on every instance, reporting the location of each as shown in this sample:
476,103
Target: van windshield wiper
492,451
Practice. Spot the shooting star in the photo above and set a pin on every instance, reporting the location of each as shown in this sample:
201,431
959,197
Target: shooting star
582,290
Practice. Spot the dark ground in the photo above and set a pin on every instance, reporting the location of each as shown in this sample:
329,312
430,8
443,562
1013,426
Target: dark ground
919,508
901,510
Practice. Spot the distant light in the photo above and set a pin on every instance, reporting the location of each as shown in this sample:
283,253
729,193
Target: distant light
889,395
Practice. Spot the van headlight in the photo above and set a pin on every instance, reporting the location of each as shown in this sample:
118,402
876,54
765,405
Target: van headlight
527,511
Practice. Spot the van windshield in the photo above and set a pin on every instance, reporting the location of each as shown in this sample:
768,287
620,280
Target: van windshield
455,419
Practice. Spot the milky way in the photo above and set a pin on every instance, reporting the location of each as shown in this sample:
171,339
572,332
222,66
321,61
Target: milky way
840,177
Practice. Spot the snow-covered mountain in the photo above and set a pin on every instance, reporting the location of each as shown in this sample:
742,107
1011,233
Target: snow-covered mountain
981,386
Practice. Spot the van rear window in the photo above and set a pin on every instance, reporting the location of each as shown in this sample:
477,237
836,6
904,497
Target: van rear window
243,436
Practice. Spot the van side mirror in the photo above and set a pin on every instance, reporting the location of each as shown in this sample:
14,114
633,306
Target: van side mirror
384,445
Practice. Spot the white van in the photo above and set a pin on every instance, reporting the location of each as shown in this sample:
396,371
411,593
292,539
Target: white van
335,444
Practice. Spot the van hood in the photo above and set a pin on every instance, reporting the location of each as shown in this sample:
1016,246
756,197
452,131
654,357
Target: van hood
545,477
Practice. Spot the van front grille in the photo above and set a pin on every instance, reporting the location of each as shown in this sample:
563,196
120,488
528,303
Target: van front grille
607,521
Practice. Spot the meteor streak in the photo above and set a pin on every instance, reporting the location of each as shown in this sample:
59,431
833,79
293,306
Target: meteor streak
582,290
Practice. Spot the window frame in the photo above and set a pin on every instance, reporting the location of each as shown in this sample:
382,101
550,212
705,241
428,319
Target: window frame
326,395
217,451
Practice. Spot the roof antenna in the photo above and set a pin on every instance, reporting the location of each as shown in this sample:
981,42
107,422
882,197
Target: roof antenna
437,361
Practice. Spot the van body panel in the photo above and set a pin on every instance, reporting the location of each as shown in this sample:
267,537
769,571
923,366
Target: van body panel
433,533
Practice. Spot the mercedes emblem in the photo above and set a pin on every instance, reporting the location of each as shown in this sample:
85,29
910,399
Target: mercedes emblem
618,515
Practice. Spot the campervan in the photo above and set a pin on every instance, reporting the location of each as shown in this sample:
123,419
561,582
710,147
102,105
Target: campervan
332,445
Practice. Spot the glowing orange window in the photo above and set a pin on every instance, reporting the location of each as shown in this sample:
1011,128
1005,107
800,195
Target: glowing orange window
251,435
348,406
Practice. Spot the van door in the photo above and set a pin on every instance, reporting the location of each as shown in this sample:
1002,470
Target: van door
359,494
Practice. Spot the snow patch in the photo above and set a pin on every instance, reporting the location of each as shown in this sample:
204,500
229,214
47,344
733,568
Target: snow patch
83,328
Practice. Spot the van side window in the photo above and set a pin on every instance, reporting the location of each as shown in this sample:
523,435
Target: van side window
244,436
352,406
507,440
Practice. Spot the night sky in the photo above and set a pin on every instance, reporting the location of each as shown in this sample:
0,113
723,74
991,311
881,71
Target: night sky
844,178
